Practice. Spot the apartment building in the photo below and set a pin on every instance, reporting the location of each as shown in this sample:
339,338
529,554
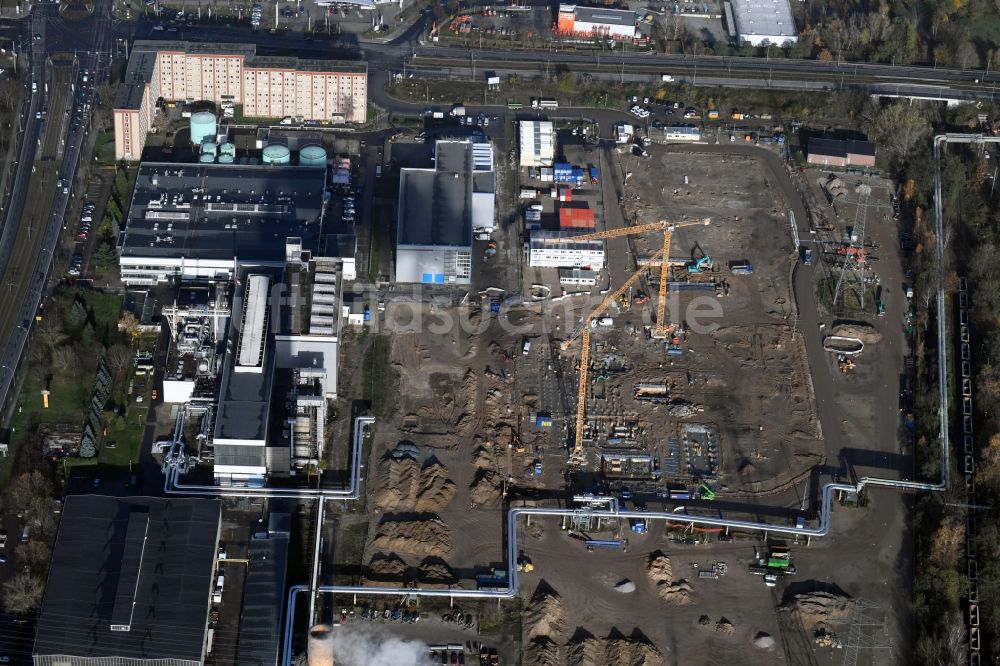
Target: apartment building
266,86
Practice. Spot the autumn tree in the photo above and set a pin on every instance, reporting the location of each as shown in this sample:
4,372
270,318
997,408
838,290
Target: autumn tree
898,127
22,594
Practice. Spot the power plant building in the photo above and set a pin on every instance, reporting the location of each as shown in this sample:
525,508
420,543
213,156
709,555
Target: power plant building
440,209
197,221
265,86
129,583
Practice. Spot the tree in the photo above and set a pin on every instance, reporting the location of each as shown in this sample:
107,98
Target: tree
24,488
105,257
947,542
35,555
129,325
22,594
119,359
967,55
65,360
899,127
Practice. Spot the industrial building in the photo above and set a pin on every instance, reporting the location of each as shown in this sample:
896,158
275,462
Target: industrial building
840,153
279,371
579,21
537,143
265,86
676,134
197,221
557,249
264,594
761,22
577,277
129,583
440,208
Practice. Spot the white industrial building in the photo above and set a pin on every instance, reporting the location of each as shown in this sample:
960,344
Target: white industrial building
440,209
537,143
558,249
603,22
762,22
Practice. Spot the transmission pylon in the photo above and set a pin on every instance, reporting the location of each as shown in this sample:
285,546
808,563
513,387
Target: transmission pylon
854,257
869,634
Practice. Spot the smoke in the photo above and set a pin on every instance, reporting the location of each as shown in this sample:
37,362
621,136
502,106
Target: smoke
353,646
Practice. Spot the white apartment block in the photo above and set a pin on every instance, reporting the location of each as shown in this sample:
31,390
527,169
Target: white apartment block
557,249
266,87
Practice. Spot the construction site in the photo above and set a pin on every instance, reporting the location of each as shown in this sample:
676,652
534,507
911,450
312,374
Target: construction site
659,449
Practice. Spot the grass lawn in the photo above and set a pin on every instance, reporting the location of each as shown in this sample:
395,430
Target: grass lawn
379,376
104,149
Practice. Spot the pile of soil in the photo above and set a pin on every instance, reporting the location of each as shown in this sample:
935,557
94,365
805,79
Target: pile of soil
436,490
542,651
397,483
724,626
385,568
436,572
403,486
620,651
817,607
867,334
660,573
417,537
487,489
545,615
482,458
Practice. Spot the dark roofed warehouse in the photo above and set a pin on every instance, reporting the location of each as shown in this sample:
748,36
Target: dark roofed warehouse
130,579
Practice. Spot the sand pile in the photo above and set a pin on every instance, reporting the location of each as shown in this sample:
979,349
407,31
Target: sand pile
867,334
436,490
815,607
482,458
660,573
487,489
397,483
545,615
619,651
385,568
417,537
542,651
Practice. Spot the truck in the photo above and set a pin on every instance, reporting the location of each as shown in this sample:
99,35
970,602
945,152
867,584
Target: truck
713,114
666,78
458,111
602,321
543,103
526,347
595,175
807,256
741,268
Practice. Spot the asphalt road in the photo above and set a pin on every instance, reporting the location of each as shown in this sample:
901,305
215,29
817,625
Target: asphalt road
26,258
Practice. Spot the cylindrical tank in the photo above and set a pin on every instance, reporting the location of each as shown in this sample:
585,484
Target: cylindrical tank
203,126
209,148
319,647
277,154
206,158
226,159
227,149
314,156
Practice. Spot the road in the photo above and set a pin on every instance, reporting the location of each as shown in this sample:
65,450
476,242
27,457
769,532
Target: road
784,73
27,249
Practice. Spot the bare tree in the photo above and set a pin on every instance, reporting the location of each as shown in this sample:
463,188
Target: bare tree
35,555
23,593
119,359
967,55
25,488
64,358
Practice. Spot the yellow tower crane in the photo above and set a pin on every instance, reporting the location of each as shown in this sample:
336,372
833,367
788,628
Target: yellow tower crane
662,257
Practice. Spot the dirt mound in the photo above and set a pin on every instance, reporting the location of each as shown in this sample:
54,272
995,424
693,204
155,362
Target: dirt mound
660,573
867,334
619,651
542,651
436,489
385,568
417,537
629,652
815,607
487,489
545,615
397,483
436,572
407,352
724,626
482,458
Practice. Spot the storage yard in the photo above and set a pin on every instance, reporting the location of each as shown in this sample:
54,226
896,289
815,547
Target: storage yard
730,409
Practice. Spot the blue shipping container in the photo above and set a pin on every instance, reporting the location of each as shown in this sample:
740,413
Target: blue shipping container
543,421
